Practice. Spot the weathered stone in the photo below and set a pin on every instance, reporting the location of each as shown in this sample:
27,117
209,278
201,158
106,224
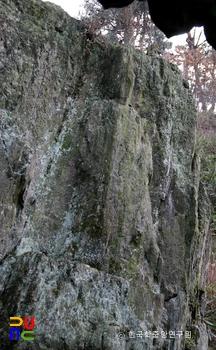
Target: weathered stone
104,222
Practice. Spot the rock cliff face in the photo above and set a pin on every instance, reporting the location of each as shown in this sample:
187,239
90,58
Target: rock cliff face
104,222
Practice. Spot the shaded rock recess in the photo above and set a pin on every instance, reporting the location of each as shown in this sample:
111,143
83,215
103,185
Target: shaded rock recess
104,224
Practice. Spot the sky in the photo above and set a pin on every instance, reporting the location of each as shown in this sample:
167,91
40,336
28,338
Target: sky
73,7
70,6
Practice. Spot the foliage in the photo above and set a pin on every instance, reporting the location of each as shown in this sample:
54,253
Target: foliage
197,61
210,313
128,25
207,143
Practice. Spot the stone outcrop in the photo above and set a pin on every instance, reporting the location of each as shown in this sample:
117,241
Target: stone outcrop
104,221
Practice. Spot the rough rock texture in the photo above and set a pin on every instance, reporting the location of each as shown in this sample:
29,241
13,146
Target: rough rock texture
104,222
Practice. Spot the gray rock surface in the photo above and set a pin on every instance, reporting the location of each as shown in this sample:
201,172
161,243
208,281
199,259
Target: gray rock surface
104,222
